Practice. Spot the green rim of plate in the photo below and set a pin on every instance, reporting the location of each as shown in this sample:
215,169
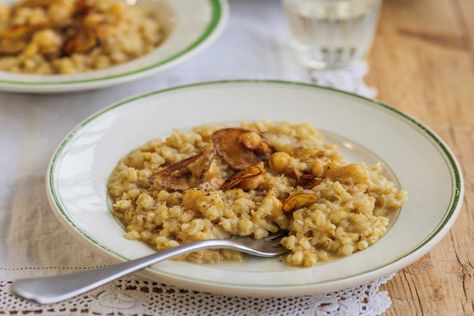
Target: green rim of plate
216,18
456,176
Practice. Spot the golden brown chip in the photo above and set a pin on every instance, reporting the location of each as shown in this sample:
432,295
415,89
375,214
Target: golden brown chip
187,173
81,42
308,181
244,175
299,200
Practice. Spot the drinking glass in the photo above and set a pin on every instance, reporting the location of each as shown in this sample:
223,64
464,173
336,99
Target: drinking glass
331,33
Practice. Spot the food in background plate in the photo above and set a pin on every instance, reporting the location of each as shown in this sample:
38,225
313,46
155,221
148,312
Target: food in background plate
214,182
71,36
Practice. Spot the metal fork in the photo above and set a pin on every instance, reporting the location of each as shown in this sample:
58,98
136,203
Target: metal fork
54,289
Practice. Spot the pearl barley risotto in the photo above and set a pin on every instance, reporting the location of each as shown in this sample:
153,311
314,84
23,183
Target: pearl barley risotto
214,182
71,36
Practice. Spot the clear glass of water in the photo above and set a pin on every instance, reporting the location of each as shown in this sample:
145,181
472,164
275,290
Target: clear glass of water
332,33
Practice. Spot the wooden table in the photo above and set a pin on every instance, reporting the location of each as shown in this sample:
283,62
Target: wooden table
422,62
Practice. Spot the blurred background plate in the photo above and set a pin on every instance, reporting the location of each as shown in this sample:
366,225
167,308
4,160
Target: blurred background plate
192,26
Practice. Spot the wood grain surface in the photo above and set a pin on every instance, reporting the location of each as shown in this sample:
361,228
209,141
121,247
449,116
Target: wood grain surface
422,62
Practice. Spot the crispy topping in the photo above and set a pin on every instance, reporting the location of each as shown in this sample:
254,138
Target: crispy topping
244,177
308,181
298,200
187,173
240,148
81,42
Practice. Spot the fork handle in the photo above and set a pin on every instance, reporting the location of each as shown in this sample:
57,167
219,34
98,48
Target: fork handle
54,289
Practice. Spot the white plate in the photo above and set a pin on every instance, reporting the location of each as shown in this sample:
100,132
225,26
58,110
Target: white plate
192,26
367,130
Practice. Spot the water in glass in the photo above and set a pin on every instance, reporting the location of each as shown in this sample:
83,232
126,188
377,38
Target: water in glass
332,33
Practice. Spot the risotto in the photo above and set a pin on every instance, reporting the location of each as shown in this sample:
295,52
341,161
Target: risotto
214,182
71,36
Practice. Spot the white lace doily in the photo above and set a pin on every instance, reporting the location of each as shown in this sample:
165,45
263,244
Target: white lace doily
143,297
350,79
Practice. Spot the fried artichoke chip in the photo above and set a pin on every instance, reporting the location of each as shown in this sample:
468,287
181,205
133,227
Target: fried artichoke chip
298,200
308,181
187,173
81,42
243,175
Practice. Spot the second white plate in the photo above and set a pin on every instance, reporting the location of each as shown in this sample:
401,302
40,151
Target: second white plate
192,26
